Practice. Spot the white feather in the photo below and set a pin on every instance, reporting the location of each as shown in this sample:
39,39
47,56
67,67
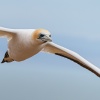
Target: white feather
21,46
61,51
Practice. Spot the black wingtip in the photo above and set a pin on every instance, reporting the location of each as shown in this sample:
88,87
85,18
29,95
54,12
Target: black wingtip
98,75
3,61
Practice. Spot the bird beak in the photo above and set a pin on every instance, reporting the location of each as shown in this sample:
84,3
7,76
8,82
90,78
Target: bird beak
46,39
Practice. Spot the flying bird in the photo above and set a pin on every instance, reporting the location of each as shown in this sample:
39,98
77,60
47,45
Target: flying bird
25,43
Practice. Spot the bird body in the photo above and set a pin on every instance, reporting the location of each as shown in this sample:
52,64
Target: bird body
25,43
21,46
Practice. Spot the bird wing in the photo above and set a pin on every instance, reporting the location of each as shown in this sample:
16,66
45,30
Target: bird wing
61,51
6,32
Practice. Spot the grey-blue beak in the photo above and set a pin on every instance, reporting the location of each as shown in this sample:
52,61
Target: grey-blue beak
46,39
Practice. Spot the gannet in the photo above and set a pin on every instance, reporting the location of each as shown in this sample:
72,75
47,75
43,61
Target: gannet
25,43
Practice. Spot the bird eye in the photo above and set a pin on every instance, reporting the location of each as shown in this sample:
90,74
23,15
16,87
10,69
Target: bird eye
41,35
49,35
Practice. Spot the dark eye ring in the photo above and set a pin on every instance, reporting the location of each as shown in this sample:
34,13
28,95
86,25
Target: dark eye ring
49,35
41,35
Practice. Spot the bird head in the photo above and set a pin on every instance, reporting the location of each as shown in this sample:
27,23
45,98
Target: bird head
42,36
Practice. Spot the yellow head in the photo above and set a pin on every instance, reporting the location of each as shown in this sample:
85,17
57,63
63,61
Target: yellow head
41,36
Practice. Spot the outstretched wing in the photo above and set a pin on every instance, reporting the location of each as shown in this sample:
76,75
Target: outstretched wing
61,51
5,32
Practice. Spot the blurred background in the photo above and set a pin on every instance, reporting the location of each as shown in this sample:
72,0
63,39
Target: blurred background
74,24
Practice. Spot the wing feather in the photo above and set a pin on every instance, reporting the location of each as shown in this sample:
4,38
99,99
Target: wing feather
61,51
6,32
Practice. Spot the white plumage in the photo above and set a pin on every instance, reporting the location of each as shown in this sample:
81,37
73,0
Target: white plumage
24,43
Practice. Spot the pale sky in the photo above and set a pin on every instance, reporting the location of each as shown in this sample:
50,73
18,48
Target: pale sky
74,24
